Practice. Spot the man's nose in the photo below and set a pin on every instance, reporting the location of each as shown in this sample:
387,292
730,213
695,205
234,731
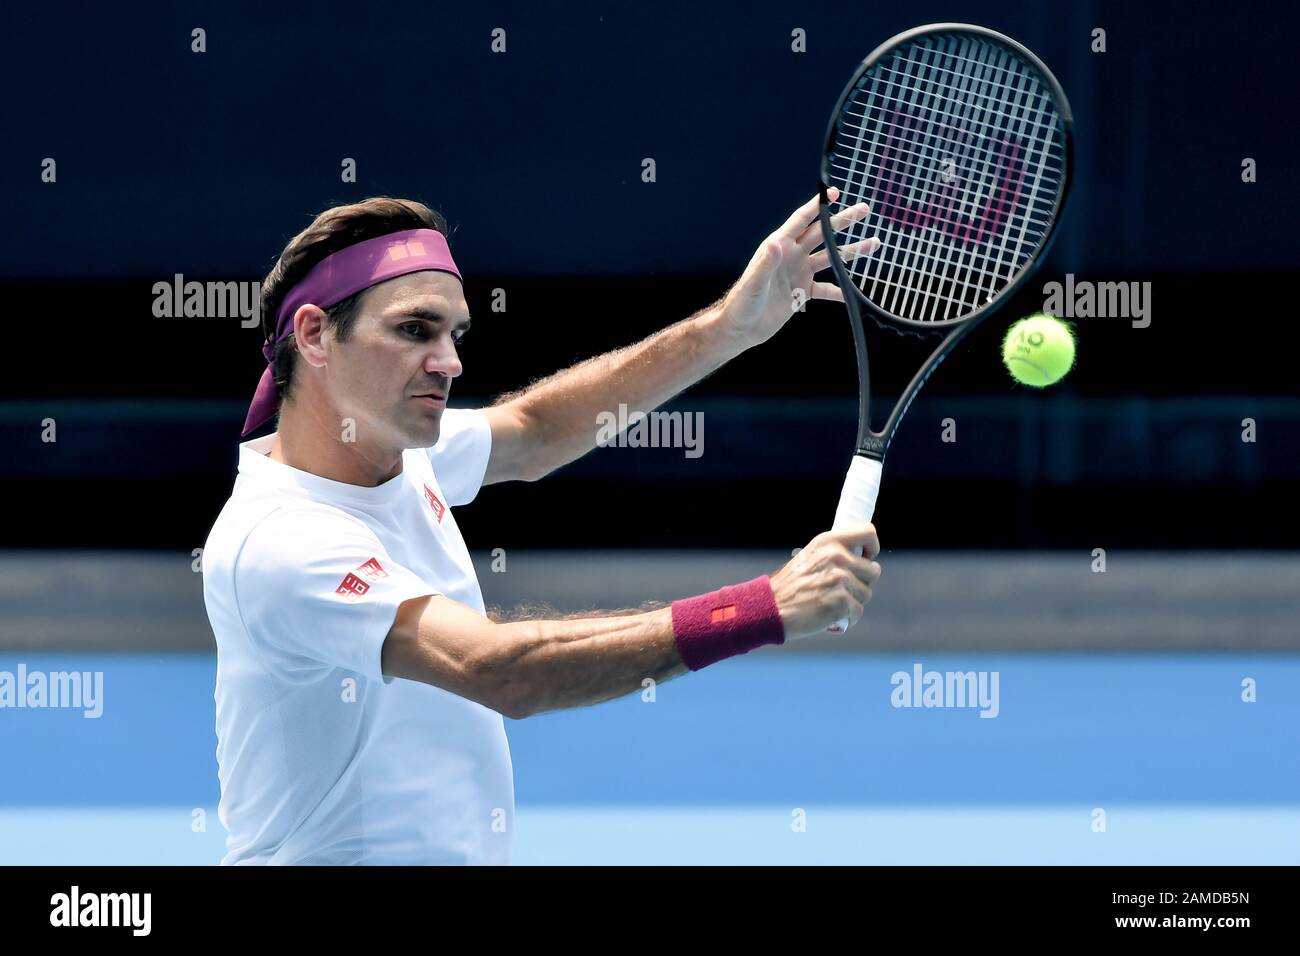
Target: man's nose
444,361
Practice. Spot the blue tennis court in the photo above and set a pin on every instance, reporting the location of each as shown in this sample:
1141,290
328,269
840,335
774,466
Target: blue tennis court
778,758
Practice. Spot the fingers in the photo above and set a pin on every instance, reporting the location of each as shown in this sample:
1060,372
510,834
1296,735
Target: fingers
845,217
854,250
856,608
860,574
858,594
826,290
862,538
856,583
798,222
811,237
857,588
867,570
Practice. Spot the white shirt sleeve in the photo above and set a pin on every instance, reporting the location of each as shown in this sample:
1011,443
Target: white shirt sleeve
460,457
316,587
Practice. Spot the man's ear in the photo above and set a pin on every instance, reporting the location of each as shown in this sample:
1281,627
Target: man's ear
308,332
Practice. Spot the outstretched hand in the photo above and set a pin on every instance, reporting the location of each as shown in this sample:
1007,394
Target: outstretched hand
779,278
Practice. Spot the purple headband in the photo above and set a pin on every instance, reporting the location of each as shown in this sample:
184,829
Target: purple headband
343,274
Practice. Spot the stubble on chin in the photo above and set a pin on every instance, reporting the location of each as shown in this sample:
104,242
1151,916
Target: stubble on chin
426,435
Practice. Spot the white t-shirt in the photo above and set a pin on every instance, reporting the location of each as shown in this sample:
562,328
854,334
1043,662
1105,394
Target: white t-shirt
321,759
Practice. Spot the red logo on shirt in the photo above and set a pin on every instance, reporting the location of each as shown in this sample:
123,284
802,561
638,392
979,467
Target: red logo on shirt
352,586
437,506
373,569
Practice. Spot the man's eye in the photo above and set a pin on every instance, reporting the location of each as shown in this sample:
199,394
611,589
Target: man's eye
420,331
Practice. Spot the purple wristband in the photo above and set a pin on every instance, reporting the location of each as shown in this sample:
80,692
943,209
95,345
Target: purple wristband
723,623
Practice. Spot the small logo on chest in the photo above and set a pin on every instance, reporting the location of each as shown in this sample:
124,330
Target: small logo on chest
435,503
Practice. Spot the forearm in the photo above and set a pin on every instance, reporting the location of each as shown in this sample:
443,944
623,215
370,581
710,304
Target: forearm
562,410
526,667
546,665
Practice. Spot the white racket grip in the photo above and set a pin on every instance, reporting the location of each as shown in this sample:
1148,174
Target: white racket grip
857,505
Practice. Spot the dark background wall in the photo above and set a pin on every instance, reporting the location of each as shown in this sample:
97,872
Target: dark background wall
204,164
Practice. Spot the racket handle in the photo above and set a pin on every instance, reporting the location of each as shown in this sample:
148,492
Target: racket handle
857,505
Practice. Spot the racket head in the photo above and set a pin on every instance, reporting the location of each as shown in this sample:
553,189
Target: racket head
961,139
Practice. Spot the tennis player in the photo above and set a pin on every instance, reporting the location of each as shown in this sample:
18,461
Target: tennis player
360,685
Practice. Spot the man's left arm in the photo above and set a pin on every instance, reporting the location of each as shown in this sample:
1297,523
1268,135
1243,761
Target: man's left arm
555,421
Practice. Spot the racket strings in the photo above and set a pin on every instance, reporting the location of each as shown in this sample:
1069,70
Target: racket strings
994,99
958,132
959,135
968,282
873,179
993,106
982,100
959,149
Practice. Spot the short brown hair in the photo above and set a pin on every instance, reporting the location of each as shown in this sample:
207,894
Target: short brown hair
334,229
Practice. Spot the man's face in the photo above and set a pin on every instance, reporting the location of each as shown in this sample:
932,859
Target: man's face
393,374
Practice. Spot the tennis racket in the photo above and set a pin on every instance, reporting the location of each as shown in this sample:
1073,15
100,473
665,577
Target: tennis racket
960,139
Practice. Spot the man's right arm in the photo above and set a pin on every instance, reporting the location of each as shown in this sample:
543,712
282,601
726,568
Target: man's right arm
521,668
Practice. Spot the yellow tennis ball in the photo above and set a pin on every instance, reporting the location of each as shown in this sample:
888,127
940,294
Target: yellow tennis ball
1038,350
